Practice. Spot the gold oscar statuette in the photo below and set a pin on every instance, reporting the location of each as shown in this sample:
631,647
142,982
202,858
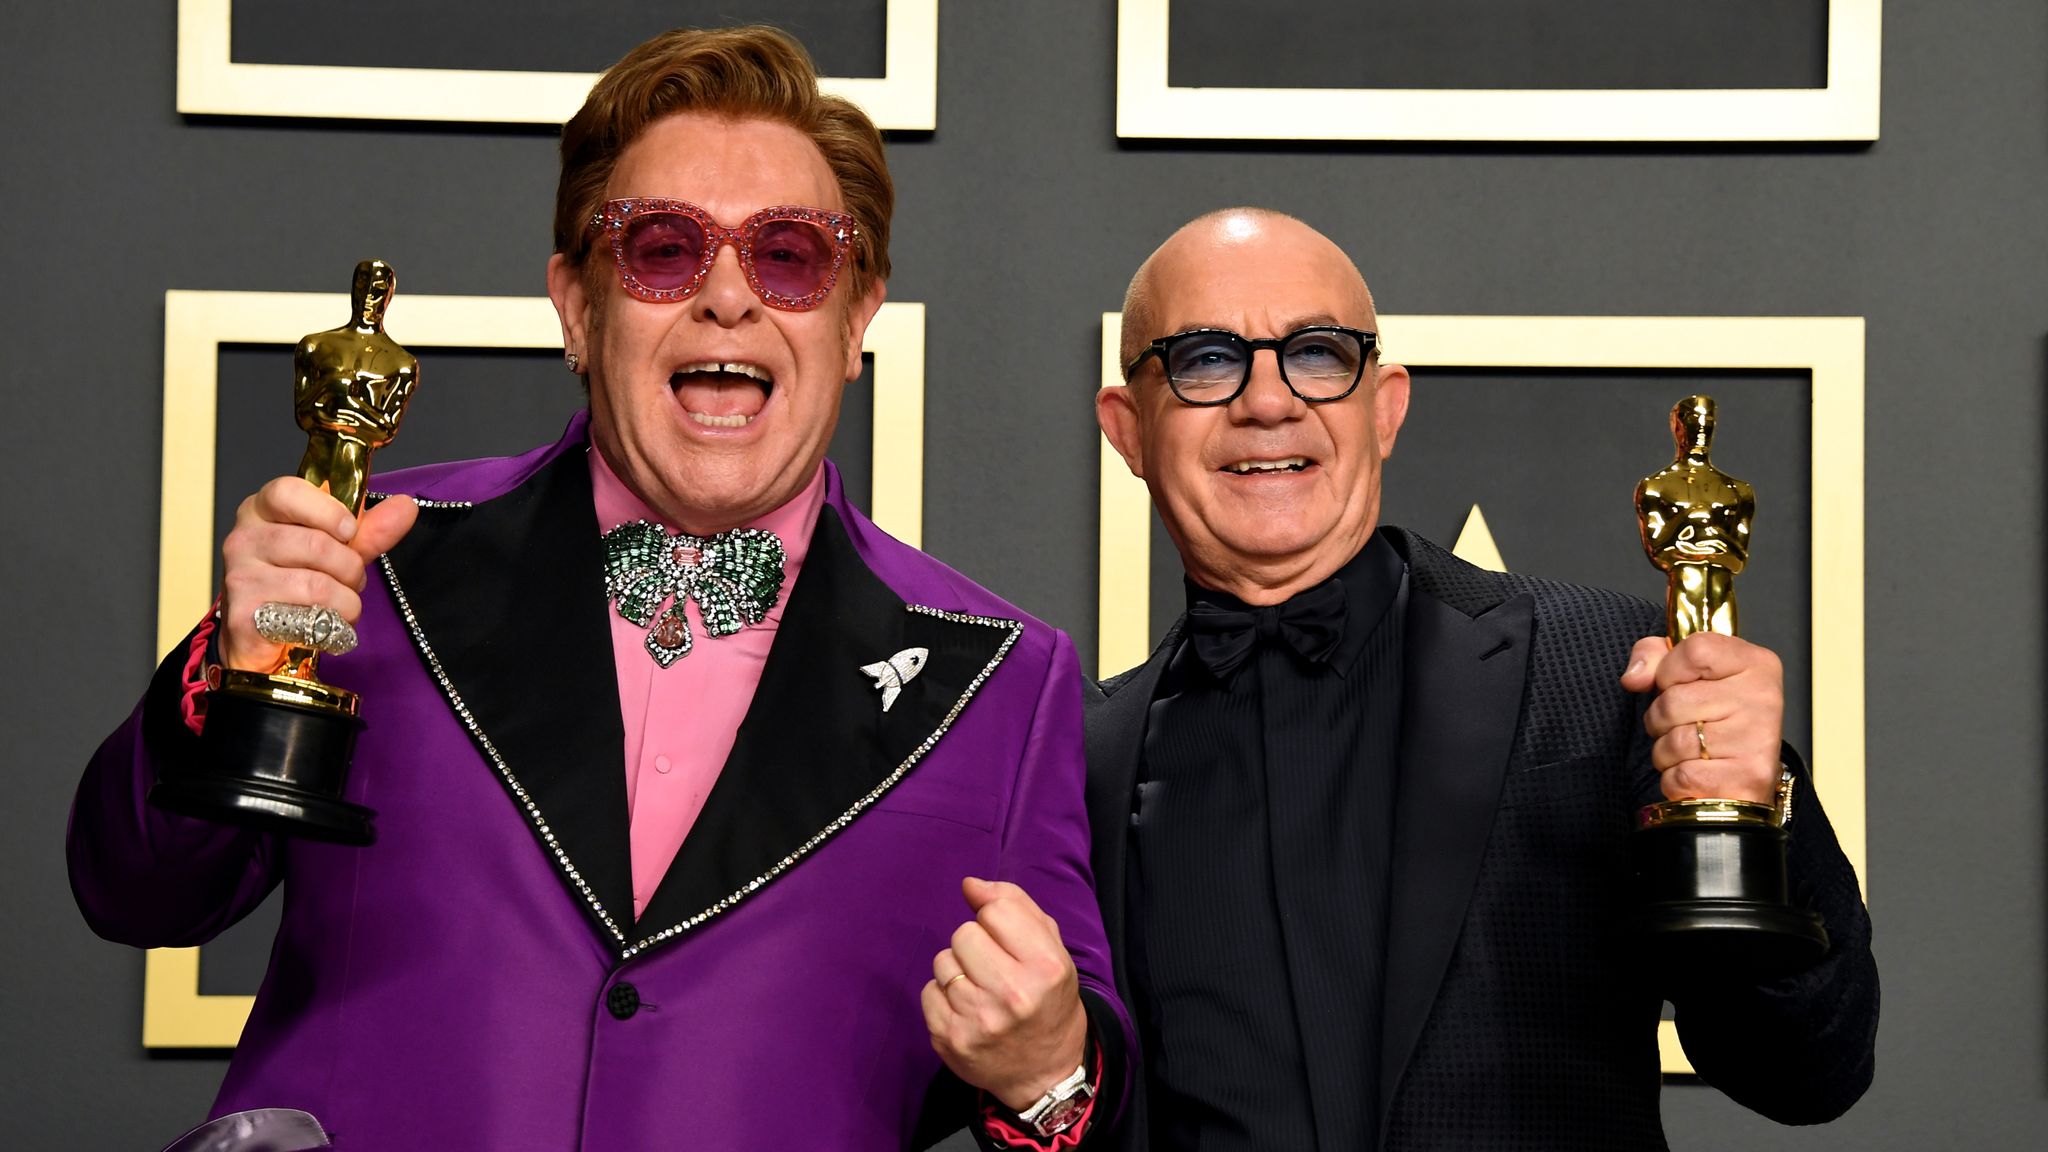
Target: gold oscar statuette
275,750
1712,872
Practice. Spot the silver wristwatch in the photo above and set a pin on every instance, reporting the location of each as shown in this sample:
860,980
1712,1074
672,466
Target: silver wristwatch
1062,1104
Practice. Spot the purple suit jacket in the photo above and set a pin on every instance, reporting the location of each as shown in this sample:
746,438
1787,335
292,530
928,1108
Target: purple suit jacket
475,979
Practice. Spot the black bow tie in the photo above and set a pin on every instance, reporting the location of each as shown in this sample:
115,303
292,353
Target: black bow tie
1311,623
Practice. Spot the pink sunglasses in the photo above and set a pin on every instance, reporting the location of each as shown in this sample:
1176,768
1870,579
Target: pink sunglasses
665,249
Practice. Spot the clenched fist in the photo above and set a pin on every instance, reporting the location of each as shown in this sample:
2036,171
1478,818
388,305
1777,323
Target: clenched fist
1718,717
295,544
1004,1002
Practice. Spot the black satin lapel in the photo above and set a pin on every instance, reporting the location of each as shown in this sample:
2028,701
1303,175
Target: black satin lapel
506,602
1116,737
1462,698
816,749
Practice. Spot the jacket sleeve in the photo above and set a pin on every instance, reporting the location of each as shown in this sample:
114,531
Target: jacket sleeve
143,876
1801,1049
1045,852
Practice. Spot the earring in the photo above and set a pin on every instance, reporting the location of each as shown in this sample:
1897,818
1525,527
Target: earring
569,358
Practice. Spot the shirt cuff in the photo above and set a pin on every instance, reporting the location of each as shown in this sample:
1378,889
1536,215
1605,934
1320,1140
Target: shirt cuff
200,655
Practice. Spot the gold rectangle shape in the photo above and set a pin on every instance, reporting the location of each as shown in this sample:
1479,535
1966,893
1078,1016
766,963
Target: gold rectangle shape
1828,348
211,83
1123,553
1147,106
196,324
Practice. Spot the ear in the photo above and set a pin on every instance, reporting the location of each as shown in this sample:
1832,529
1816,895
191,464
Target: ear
1389,405
572,305
857,319
1116,410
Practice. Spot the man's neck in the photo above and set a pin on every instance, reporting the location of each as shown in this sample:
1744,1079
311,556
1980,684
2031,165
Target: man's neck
1277,582
792,521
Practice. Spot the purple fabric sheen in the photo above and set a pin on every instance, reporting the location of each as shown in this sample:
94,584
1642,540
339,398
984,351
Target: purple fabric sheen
442,989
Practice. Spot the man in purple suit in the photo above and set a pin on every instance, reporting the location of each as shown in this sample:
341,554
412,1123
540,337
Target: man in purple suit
687,777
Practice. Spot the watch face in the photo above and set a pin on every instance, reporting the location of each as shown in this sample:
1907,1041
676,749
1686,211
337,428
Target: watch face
1061,1115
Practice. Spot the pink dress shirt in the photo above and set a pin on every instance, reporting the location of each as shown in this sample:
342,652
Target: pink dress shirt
681,720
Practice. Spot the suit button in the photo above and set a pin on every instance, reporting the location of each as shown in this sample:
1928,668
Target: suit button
622,1001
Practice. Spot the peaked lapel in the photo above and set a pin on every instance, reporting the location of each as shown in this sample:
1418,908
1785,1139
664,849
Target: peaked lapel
1116,736
506,602
1462,695
815,749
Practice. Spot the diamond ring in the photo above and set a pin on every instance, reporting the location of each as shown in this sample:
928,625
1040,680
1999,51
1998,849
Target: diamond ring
305,626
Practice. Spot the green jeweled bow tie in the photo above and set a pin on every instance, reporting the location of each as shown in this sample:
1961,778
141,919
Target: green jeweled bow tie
735,577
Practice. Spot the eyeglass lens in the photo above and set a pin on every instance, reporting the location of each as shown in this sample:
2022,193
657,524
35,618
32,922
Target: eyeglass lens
1316,363
666,250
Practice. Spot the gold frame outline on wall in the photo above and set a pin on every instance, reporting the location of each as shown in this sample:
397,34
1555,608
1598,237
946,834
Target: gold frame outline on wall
1829,348
211,83
196,324
1148,107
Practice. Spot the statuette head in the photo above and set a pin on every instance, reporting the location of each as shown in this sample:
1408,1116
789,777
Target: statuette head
1692,425
371,292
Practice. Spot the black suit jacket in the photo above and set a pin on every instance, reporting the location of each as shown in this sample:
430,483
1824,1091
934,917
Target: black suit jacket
1518,1014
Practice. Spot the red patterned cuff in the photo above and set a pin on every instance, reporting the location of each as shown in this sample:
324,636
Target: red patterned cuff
193,683
1003,1126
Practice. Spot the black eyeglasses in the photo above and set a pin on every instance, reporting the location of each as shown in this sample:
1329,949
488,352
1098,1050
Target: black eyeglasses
1211,366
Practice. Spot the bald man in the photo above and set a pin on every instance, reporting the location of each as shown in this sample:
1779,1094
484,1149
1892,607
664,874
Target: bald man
1361,820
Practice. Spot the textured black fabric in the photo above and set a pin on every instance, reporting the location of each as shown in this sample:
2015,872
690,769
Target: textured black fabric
1259,869
1208,965
1541,1033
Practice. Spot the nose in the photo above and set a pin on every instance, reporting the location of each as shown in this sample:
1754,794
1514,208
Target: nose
725,298
1266,398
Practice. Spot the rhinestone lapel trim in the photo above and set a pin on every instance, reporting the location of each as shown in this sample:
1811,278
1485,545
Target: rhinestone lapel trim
526,805
376,497
1013,627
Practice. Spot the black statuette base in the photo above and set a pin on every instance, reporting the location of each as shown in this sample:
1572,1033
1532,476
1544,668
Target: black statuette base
273,765
1714,900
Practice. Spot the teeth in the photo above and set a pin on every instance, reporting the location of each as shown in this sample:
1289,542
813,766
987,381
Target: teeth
750,371
733,421
1243,467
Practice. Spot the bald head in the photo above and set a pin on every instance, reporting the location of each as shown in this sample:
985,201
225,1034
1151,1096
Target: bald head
1218,239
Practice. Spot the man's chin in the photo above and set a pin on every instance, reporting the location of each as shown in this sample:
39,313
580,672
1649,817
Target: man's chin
1268,537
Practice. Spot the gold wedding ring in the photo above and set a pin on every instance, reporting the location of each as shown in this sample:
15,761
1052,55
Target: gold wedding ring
1699,733
950,979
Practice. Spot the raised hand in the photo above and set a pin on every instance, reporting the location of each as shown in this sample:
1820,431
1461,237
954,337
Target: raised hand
294,544
1004,1002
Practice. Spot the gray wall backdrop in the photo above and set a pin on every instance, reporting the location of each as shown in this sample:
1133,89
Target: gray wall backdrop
1020,219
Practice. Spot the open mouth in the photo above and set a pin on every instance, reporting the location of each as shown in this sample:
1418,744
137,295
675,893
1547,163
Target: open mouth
1268,467
722,393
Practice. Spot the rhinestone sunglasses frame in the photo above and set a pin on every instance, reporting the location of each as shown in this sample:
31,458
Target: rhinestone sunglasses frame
840,230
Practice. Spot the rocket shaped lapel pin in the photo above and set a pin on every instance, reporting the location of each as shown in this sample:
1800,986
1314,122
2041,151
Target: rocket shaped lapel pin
892,674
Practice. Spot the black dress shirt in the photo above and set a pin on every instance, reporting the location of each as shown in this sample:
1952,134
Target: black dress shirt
1260,842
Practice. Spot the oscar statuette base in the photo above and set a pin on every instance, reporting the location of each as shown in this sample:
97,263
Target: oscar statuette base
274,755
1714,894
